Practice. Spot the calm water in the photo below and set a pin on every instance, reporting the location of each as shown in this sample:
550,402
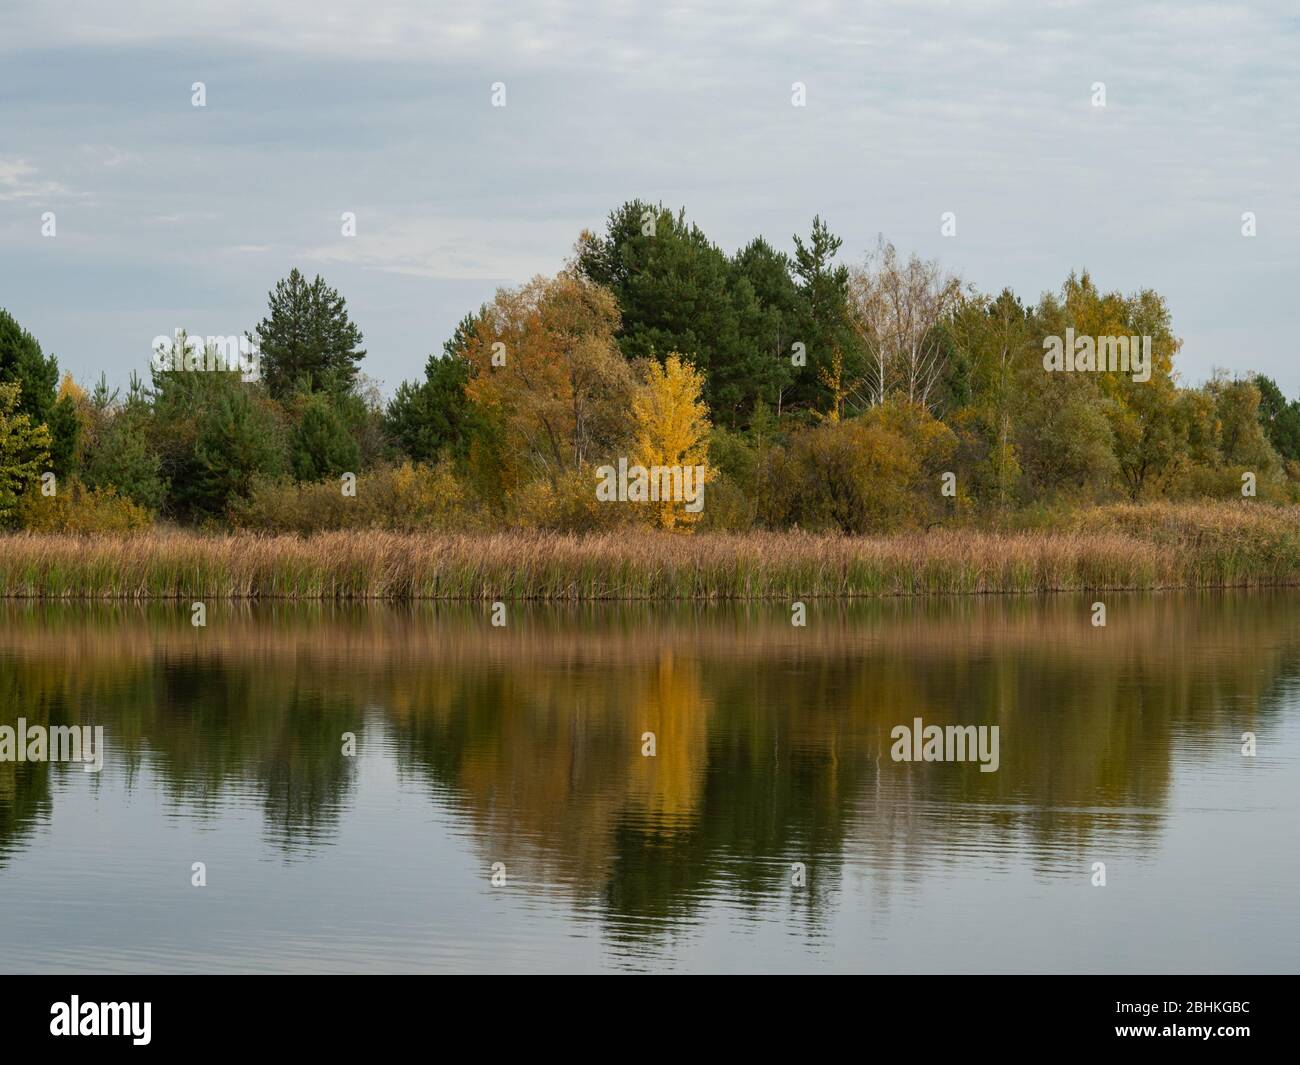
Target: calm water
523,746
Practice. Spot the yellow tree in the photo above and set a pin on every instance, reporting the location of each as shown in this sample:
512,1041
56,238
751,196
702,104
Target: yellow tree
672,431
833,379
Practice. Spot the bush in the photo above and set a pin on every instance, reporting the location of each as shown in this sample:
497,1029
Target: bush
422,497
727,506
74,508
406,497
216,436
851,476
125,461
1224,482
570,505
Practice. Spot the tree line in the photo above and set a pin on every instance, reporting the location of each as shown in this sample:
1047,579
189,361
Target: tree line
821,394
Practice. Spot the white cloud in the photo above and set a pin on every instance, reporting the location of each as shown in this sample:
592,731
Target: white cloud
18,181
915,107
454,248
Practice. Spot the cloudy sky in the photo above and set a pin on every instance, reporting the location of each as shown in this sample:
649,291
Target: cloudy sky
171,215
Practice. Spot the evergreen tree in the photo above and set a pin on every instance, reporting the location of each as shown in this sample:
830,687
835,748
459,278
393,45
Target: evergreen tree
65,434
307,335
768,332
321,446
22,362
427,417
126,460
834,354
1281,420
676,292
235,441
214,434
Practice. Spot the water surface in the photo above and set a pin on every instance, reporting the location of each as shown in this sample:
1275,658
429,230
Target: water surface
523,746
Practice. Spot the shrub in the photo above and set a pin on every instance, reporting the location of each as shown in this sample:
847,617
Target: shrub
847,476
570,505
727,506
74,508
407,497
422,497
125,460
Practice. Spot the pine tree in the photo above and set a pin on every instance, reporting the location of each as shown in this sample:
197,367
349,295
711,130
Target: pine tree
235,442
833,351
22,362
427,417
678,292
307,337
321,446
126,461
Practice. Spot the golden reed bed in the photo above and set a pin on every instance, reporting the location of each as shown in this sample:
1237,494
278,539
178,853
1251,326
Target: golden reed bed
1126,547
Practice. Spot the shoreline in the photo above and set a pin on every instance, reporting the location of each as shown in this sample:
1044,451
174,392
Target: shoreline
1157,547
112,597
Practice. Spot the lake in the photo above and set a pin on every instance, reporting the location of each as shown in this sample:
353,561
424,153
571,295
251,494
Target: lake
660,787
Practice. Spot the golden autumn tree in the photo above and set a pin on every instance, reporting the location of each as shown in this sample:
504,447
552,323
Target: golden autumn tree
547,369
671,703
833,380
672,431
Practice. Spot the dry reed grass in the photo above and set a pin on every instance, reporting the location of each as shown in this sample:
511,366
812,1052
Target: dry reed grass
1125,547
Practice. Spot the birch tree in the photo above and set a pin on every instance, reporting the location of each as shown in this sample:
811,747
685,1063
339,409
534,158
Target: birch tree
896,309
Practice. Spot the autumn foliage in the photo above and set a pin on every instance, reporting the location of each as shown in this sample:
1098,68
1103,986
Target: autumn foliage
813,393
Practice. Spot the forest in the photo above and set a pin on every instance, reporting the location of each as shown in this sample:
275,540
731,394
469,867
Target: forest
817,394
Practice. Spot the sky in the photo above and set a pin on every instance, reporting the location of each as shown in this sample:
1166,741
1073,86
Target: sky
169,215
